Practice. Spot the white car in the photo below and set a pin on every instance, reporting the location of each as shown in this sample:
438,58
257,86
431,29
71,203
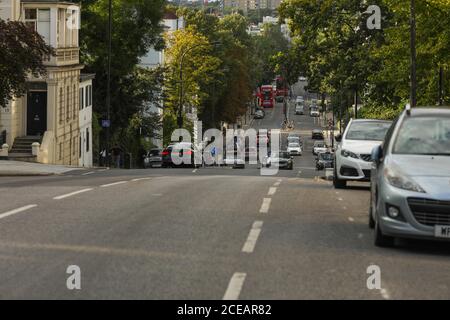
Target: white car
300,109
353,160
314,112
294,149
319,147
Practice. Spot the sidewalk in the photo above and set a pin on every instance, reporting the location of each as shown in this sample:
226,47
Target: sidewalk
18,168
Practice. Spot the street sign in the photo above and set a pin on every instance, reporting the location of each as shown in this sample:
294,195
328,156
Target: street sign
106,123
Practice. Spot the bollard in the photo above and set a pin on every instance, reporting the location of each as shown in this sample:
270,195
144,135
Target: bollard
4,151
35,148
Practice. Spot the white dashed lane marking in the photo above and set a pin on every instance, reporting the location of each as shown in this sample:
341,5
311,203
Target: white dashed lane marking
265,205
272,191
64,196
253,236
235,286
113,184
18,210
140,179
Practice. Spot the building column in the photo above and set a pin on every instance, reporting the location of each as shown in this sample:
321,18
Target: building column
52,107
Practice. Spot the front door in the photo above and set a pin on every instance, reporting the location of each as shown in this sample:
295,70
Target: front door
36,113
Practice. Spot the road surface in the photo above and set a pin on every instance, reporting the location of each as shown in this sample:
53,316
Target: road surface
210,233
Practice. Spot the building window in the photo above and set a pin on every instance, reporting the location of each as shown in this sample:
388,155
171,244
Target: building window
60,151
74,146
80,148
90,95
87,140
87,97
81,98
39,20
61,27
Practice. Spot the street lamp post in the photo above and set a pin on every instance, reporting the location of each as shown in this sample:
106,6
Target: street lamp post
108,85
413,55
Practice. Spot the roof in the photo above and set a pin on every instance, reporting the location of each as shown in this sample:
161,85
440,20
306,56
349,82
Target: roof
49,1
87,76
424,111
370,120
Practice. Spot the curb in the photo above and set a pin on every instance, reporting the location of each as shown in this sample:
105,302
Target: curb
26,174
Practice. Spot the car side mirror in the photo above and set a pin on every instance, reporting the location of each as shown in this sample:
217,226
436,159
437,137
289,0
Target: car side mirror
338,137
377,154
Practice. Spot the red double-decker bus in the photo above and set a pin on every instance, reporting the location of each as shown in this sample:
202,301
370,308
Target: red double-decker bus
282,90
267,96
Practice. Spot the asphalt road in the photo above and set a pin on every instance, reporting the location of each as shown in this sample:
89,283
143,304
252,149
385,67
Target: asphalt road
210,233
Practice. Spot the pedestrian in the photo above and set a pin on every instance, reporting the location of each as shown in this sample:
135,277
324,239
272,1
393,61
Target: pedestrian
103,158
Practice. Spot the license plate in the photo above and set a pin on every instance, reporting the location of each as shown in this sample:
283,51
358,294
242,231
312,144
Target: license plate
442,231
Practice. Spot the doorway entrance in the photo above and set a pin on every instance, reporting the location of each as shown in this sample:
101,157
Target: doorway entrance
36,113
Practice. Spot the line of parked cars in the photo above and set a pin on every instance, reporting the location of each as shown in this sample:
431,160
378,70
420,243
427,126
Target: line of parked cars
407,162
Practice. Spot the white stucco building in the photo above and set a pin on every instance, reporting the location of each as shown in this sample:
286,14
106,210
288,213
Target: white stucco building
48,113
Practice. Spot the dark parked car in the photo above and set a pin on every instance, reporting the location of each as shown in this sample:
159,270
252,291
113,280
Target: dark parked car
324,160
318,134
185,149
153,159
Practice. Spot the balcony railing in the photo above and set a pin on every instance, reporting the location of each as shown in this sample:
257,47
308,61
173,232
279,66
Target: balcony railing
67,54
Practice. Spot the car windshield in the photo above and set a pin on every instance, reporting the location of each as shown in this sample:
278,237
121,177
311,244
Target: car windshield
320,145
424,136
154,153
326,156
372,131
294,145
281,155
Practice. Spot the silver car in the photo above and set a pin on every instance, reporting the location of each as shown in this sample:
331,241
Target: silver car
410,185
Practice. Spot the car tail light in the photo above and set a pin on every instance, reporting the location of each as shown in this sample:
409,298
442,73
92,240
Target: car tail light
165,153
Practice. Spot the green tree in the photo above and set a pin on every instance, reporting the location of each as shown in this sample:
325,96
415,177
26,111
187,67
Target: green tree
22,53
135,29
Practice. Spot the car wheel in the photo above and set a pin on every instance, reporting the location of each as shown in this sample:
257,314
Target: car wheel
382,240
338,183
371,212
371,220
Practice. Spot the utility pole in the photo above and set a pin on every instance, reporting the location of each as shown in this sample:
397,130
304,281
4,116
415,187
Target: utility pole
413,55
108,86
441,86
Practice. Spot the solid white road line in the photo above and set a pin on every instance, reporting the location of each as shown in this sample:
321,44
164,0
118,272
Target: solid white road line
272,191
113,184
277,184
10,213
88,173
235,286
253,236
141,179
72,194
194,171
351,219
265,205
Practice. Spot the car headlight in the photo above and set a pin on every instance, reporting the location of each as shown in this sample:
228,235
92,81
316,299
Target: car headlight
346,154
401,181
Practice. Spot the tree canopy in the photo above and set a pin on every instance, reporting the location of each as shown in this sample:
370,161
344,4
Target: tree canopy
340,54
22,53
